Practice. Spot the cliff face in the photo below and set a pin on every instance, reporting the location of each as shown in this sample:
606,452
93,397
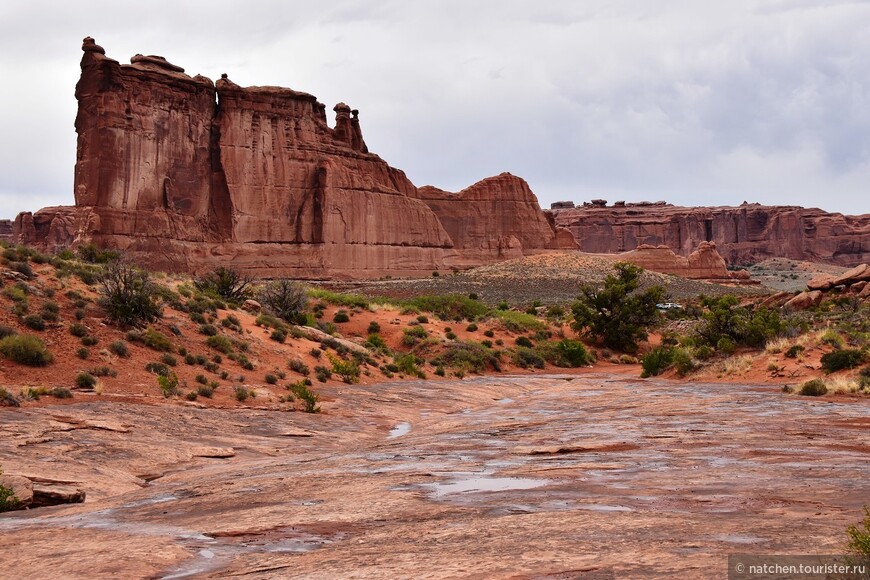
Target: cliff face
496,218
184,174
745,234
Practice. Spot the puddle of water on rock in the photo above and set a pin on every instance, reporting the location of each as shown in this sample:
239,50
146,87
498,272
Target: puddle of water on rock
505,401
483,483
401,429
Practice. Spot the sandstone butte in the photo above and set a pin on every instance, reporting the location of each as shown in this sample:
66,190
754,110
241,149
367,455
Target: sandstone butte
745,234
182,174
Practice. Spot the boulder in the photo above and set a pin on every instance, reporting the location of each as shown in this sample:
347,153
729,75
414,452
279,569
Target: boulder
251,306
804,300
860,273
21,486
865,293
821,282
51,494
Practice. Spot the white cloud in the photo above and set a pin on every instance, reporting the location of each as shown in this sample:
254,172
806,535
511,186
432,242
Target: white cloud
756,100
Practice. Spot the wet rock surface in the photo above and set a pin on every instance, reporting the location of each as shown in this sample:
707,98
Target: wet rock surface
497,476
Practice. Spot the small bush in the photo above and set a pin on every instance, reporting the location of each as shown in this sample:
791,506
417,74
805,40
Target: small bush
169,360
657,361
315,352
119,348
340,317
374,327
156,340
86,381
220,344
683,362
83,353
198,318
450,335
323,374
129,296
348,370
278,335
813,388
284,298
488,333
524,341
794,351
79,313
157,368
726,345
89,340
241,393
168,384
413,335
859,538
525,357
34,322
25,349
6,331
847,358
271,379
60,393
306,395
225,283
205,391
103,372
208,329
78,329
298,366
471,327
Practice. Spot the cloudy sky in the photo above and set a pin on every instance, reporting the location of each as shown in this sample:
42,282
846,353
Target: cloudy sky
696,103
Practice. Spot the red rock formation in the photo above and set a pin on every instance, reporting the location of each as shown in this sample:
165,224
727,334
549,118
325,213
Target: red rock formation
496,218
745,234
6,230
182,173
705,263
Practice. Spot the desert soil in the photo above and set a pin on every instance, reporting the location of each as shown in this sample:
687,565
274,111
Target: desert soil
592,475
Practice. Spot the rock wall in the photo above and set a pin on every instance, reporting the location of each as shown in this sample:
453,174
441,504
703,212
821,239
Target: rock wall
745,234
183,174
6,230
496,218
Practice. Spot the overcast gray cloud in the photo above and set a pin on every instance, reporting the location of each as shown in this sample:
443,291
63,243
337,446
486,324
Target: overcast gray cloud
709,103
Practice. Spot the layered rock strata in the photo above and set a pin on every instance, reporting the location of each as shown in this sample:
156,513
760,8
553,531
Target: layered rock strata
745,234
705,263
182,174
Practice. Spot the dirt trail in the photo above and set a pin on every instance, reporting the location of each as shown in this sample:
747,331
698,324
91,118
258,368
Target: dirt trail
497,476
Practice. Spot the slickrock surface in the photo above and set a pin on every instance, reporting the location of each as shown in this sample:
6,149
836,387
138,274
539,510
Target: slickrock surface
183,174
745,234
496,477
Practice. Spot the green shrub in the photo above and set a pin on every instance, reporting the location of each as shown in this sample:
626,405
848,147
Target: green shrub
271,379
794,351
198,318
298,366
471,327
86,381
348,370
6,331
524,341
376,342
90,340
22,268
859,539
168,384
449,306
488,333
34,322
514,321
8,500
450,335
157,368
103,372
847,358
83,353
322,373
683,362
129,296
620,314
340,317
422,319
306,395
119,348
468,356
241,393
169,360
407,364
412,336
206,391
525,357
316,352
657,361
208,329
741,325
374,327
813,388
155,340
278,335
78,329
60,393
570,353
220,343
25,349
726,345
